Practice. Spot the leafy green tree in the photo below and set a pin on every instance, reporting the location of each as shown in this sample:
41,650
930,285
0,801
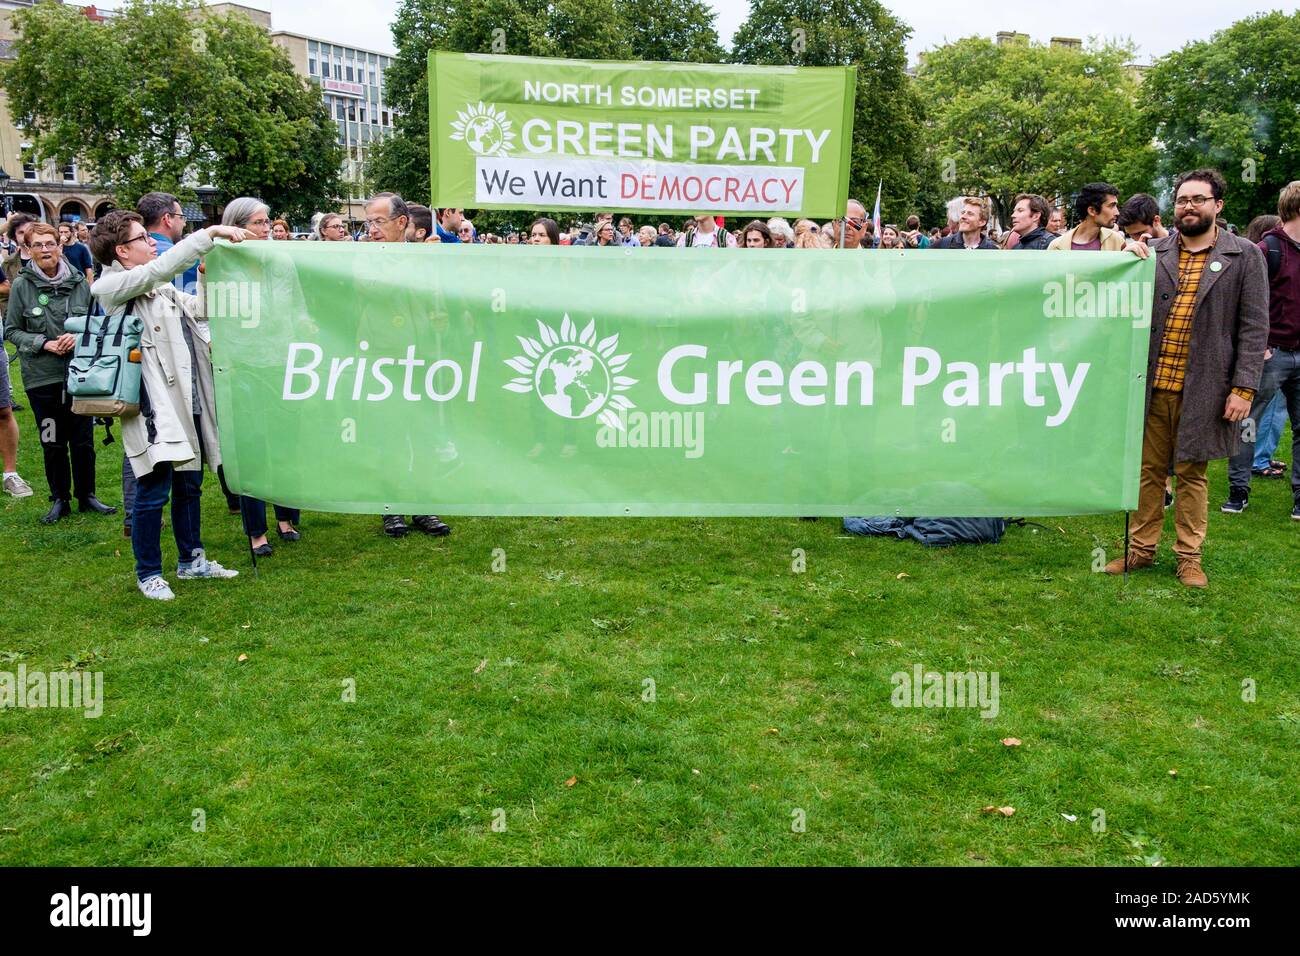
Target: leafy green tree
1033,118
671,30
887,114
166,95
1230,102
582,29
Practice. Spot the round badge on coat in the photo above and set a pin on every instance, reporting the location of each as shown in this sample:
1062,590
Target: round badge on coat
1216,266
37,311
43,299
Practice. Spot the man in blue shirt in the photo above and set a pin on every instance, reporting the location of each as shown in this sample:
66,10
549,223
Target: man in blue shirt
76,252
448,224
163,218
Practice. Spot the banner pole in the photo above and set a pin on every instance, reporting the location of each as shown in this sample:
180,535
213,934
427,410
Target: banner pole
1126,515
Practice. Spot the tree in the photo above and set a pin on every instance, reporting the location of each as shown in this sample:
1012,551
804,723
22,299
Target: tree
582,29
860,33
166,96
671,30
1230,102
1013,118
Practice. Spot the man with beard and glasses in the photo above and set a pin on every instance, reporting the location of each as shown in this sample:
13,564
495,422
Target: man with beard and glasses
1197,390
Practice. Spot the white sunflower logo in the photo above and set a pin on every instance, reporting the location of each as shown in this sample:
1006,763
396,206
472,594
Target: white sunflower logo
484,129
574,375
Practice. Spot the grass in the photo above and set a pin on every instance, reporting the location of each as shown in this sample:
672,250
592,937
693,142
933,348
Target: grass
520,695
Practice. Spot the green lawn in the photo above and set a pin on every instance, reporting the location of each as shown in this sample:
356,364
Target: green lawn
478,690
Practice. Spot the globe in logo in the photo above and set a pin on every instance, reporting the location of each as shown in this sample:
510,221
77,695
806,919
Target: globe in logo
574,375
484,129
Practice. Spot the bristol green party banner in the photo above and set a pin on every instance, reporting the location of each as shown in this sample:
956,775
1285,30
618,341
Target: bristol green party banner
534,380
512,132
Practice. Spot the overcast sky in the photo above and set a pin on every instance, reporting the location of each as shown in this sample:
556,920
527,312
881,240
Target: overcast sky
1156,26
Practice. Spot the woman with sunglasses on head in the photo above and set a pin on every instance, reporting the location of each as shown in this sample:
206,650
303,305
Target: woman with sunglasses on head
175,433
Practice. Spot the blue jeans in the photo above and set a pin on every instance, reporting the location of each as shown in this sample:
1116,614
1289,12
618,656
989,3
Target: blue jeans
151,494
1269,432
1281,377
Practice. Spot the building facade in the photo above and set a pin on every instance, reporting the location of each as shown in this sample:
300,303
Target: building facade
55,193
352,84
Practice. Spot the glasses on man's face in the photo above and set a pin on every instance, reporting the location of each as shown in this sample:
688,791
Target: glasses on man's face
258,222
335,225
1184,201
379,221
856,223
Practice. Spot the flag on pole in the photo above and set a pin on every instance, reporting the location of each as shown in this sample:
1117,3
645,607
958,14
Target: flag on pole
875,213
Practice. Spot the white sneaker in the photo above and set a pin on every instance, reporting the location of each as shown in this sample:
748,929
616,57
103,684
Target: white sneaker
156,589
14,485
204,568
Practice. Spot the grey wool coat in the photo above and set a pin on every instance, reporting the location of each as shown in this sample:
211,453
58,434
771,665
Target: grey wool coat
1229,336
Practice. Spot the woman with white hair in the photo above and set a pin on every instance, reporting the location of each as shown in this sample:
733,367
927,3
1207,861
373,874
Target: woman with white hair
255,216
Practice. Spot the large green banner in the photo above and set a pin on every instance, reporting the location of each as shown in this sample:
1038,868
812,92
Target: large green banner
537,380
515,132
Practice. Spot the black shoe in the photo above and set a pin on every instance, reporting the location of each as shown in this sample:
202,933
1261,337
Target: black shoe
288,535
394,526
60,509
431,524
232,506
91,503
264,550
1238,499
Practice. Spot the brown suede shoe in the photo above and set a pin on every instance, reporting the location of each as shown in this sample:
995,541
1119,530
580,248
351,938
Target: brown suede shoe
1190,573
1135,561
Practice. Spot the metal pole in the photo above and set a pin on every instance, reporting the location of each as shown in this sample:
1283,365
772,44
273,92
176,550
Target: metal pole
1126,516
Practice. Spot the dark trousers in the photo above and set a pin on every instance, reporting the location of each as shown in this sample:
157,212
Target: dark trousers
151,493
253,513
232,499
65,438
1281,374
128,490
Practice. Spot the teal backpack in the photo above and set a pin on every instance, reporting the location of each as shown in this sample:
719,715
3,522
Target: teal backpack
104,373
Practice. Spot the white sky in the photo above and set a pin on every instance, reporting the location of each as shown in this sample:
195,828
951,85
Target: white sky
1156,26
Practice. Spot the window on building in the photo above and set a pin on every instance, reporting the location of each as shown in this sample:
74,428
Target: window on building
338,72
362,117
311,66
70,172
30,172
384,114
352,111
342,114
349,73
372,77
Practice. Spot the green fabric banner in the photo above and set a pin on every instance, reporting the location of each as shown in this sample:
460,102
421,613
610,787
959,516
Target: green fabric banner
516,132
536,380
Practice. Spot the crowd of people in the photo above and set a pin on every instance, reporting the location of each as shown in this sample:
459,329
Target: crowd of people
1225,340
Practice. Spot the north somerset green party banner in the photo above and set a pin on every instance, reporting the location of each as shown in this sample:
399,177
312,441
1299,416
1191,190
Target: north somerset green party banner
533,380
516,132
